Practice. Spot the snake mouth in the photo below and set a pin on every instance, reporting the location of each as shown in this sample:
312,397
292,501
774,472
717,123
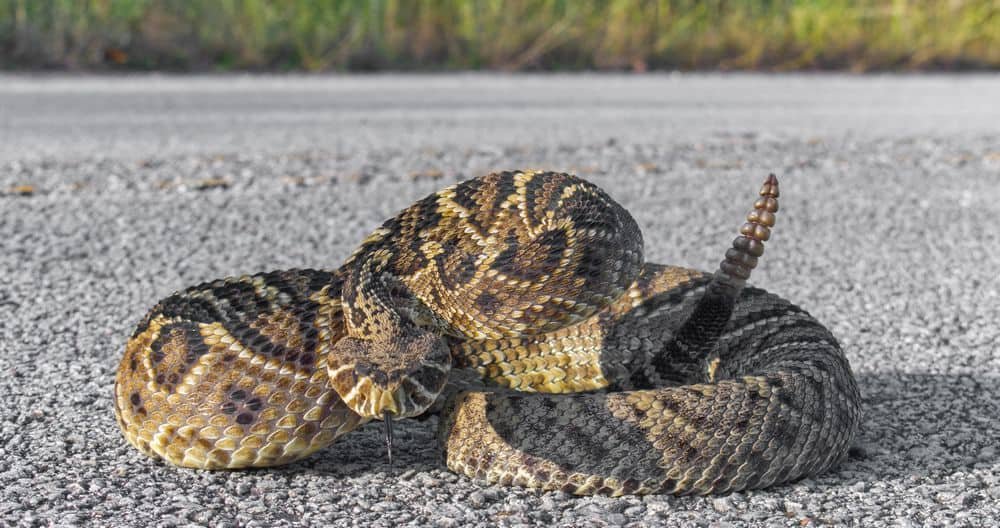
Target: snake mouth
375,395
368,399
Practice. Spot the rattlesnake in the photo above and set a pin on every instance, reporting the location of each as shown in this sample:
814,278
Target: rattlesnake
682,382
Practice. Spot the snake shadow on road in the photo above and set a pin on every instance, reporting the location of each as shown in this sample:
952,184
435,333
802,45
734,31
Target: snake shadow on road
915,427
920,426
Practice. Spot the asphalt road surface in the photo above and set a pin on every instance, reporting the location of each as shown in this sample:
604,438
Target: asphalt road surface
117,191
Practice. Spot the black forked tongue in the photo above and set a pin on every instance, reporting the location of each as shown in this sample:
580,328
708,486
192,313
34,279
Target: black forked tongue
698,335
387,416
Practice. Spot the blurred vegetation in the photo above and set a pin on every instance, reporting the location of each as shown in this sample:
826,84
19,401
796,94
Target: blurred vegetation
317,35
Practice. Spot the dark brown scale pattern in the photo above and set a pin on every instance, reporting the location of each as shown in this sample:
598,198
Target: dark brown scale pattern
535,283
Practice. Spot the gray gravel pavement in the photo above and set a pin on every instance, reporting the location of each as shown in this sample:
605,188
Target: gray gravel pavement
118,191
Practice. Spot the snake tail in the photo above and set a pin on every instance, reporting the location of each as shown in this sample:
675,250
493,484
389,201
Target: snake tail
688,356
741,259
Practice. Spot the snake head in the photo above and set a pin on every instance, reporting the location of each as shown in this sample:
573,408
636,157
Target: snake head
399,376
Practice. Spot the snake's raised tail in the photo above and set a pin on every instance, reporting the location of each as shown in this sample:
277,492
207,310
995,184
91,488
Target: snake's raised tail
697,336
741,259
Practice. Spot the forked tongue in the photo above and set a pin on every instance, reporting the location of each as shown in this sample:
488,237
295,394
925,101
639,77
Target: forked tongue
387,416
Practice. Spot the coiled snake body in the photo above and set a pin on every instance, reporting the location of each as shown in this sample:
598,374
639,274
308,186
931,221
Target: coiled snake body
659,379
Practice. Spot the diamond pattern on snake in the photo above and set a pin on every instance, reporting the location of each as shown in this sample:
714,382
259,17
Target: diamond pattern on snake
599,373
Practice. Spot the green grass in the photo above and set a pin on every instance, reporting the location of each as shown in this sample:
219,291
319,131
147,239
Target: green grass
315,35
